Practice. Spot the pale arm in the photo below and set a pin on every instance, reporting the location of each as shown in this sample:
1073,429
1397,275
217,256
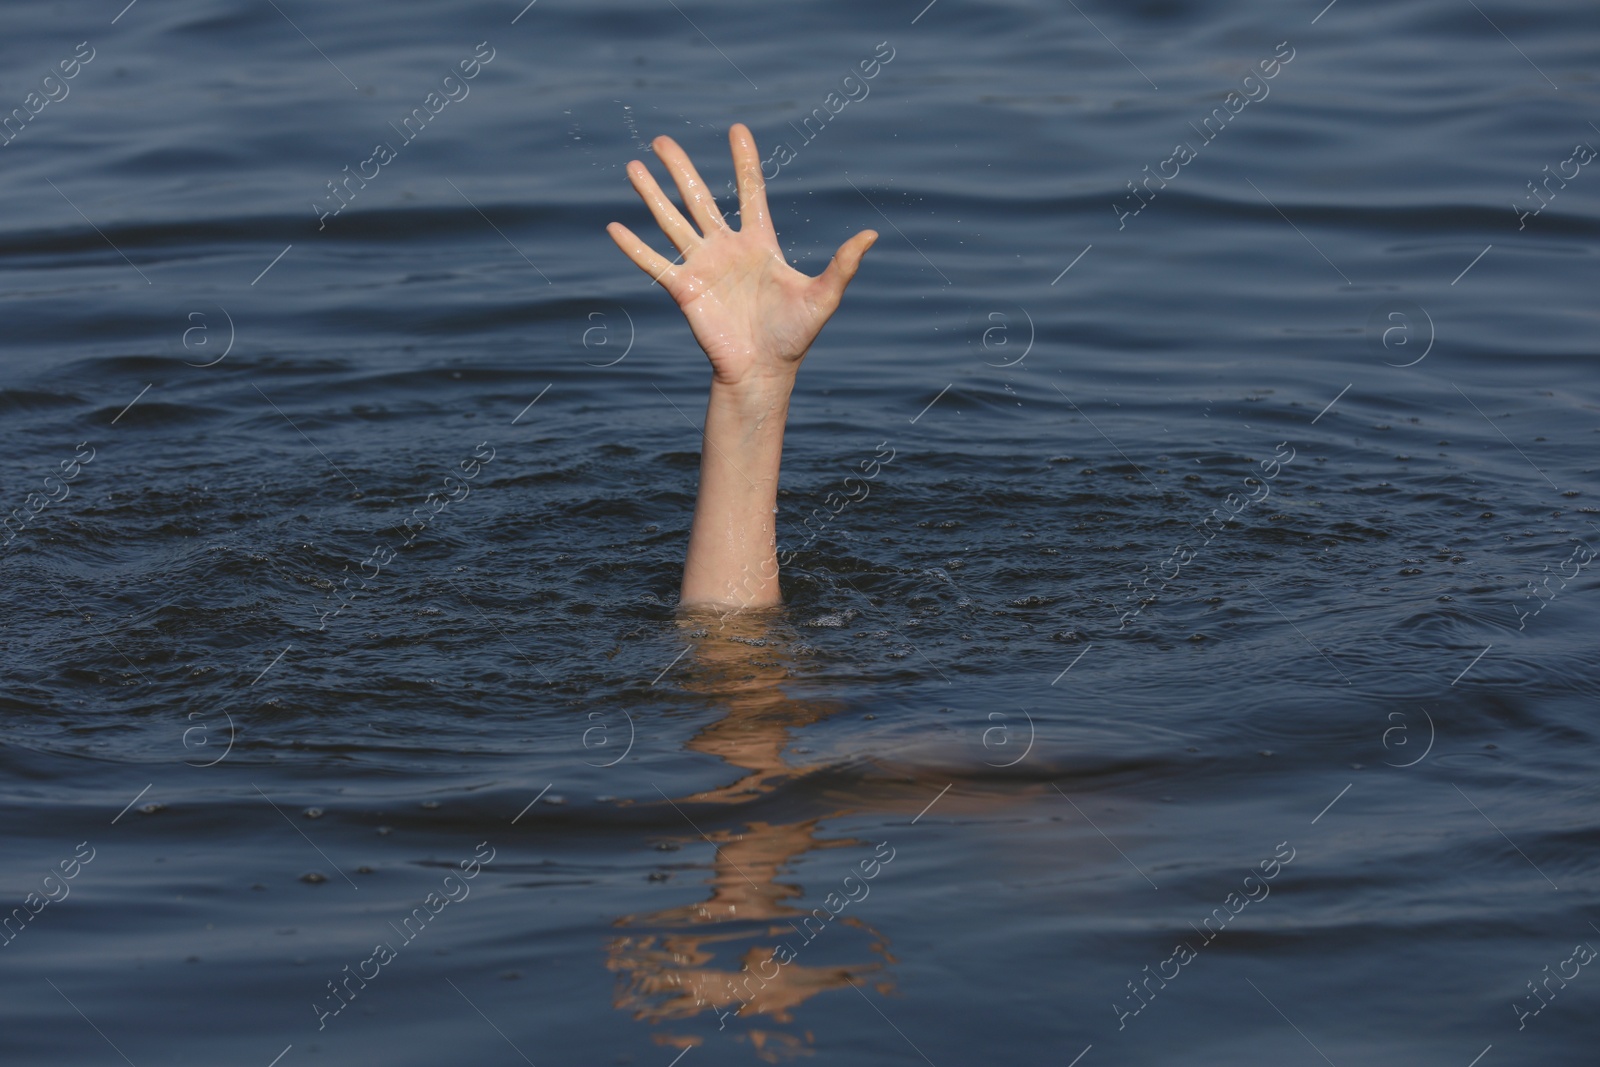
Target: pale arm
755,317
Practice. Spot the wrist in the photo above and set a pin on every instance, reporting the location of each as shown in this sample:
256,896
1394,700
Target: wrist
755,398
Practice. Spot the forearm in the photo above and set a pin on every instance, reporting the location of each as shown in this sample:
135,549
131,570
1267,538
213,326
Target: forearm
733,557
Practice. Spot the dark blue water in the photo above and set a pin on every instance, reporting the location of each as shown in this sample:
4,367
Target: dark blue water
1209,676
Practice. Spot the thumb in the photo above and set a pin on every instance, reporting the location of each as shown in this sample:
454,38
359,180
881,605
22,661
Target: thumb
847,261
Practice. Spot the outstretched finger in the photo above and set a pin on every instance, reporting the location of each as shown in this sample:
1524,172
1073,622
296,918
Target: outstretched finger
696,197
667,215
846,262
753,209
644,257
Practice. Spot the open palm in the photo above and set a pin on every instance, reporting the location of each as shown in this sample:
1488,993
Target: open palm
754,315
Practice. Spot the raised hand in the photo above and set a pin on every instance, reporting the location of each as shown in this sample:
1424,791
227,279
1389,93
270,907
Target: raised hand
754,315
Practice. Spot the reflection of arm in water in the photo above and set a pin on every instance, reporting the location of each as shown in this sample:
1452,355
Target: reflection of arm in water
755,316
740,954
743,663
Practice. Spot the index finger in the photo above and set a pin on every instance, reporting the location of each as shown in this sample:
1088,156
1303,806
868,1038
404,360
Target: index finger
752,185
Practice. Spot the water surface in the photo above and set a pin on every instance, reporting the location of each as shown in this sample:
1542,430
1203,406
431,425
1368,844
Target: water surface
1224,579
